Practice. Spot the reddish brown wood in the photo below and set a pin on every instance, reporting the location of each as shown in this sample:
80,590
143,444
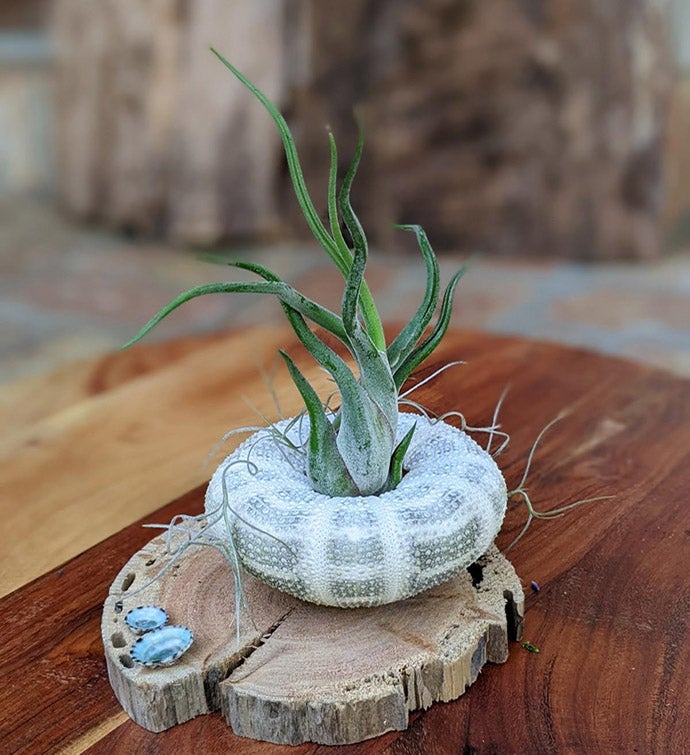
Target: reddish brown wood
610,620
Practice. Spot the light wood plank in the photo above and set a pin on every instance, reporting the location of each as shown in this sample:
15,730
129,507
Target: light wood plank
100,462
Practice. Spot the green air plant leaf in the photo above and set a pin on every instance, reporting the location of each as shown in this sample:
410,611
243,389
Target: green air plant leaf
287,295
338,253
327,469
413,331
419,353
350,451
365,439
395,472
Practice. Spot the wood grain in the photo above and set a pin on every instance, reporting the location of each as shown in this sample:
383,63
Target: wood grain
132,432
610,619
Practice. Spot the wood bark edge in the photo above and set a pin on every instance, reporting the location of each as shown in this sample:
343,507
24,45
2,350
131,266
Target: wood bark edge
305,672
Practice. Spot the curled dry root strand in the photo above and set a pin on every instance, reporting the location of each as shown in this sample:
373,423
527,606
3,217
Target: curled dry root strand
494,429
521,491
185,531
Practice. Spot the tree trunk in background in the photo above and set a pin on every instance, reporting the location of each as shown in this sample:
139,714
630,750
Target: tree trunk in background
227,153
516,127
152,134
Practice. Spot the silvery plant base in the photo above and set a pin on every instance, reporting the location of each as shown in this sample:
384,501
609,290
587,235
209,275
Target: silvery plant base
301,672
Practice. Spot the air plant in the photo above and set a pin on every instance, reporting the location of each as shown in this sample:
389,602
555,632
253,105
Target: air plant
273,523
351,451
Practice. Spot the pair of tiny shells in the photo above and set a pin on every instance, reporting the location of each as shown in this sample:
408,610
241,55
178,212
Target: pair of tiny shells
160,644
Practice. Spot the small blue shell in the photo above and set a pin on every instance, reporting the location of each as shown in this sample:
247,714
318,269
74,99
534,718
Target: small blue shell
162,646
146,618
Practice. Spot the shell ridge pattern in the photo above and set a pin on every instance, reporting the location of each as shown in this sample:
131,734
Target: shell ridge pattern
368,550
393,548
315,554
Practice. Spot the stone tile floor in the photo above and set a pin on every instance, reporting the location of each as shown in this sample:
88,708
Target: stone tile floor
69,291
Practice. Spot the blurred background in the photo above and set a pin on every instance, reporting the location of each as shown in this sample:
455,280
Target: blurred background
550,135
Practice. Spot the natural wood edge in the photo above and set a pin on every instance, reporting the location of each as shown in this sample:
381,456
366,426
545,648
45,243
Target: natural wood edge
145,696
345,711
406,656
158,698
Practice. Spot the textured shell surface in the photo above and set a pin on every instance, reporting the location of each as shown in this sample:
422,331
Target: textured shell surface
146,618
163,646
368,550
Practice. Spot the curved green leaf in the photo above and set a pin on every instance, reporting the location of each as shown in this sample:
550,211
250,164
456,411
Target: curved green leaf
375,373
327,469
396,468
412,332
285,293
294,167
359,240
365,437
305,306
419,354
333,218
333,247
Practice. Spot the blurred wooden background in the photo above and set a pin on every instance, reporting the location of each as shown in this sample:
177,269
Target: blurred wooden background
515,127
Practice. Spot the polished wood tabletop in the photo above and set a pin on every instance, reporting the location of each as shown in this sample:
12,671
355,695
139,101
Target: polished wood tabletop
95,449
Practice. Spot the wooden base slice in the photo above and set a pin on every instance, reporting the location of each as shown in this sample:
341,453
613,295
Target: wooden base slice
303,672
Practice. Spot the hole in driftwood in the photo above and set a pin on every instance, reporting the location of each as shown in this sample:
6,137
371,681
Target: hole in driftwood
127,581
118,607
126,660
477,573
118,640
151,562
513,618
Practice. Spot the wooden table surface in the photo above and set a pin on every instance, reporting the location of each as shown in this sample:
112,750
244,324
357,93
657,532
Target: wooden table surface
92,449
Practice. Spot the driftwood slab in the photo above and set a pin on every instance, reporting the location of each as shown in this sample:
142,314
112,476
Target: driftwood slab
303,672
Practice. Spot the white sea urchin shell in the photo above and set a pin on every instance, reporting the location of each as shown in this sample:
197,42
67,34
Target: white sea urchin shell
369,550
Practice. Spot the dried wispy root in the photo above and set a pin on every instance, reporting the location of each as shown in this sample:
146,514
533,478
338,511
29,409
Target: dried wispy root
185,531
351,451
521,492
